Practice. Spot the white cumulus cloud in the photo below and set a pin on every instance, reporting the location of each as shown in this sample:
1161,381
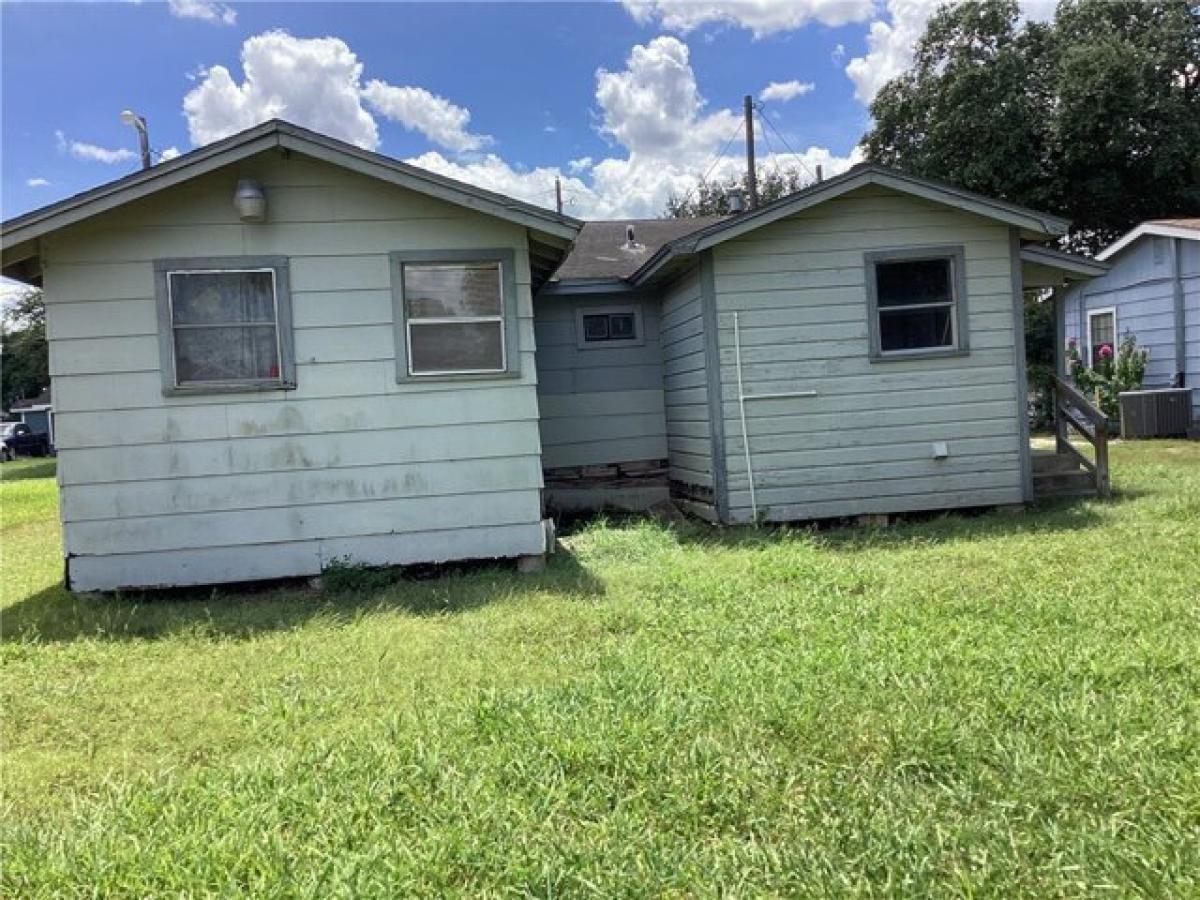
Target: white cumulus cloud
663,134
314,82
760,17
418,110
654,111
93,152
169,153
204,10
37,182
317,83
784,91
654,108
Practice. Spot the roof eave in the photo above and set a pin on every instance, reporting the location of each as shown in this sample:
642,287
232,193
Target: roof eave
1155,229
1032,224
36,223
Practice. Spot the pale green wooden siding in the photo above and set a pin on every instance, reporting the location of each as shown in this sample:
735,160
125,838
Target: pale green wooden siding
221,487
598,405
689,441
864,443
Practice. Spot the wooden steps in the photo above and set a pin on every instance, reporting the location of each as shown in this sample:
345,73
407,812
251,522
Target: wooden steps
1061,475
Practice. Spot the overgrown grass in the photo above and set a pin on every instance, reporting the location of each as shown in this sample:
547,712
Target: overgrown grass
999,705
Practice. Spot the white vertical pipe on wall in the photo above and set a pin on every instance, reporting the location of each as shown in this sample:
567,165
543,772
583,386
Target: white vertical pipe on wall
742,398
737,355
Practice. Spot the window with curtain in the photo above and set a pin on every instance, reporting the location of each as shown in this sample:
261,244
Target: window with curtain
225,326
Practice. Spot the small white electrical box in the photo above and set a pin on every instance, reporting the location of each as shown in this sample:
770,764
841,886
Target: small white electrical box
940,449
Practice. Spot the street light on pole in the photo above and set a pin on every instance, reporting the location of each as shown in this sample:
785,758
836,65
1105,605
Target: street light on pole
129,117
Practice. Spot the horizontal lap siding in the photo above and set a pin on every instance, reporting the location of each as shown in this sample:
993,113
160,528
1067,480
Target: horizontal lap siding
1141,286
599,406
686,382
862,444
222,487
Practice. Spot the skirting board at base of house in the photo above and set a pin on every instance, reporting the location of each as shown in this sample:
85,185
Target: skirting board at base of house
299,559
620,487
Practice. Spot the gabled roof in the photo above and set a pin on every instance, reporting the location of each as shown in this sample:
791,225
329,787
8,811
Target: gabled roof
602,249
556,228
1188,229
1032,224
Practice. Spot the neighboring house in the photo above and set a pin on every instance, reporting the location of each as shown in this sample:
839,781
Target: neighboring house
344,365
1151,291
36,412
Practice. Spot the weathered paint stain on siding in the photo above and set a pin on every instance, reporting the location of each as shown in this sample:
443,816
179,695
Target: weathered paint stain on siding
194,489
863,443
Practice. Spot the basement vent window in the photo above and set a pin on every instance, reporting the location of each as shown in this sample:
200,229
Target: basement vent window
610,327
916,303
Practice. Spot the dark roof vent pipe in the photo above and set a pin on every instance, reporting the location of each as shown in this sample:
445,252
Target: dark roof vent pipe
631,240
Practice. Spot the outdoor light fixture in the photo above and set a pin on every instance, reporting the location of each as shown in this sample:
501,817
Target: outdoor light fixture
250,201
129,117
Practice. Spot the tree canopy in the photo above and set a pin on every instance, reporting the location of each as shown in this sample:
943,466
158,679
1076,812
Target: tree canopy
24,357
711,198
1095,115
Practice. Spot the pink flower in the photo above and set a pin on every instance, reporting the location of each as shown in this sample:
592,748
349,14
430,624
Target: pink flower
1072,343
1106,352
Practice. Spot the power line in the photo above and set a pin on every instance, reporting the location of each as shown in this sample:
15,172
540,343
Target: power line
778,134
719,156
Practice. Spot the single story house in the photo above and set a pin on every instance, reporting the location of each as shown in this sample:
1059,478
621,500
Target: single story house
1150,291
281,350
37,412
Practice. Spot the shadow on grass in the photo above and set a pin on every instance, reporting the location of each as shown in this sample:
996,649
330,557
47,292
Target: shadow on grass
243,611
911,529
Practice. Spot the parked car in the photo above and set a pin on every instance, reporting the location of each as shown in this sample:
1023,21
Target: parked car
20,440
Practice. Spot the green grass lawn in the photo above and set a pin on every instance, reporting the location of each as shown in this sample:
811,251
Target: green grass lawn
1001,705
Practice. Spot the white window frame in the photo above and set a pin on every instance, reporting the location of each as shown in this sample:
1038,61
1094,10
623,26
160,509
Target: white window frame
631,309
956,257
282,322
420,321
510,340
1094,313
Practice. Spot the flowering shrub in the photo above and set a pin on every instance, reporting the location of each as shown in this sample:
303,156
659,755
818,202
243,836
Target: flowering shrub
1113,373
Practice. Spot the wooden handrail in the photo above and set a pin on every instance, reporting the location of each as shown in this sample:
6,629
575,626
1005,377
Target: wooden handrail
1069,406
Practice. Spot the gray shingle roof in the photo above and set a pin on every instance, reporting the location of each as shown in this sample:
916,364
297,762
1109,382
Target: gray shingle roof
601,250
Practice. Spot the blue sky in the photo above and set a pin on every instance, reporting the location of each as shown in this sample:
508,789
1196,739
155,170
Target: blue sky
626,102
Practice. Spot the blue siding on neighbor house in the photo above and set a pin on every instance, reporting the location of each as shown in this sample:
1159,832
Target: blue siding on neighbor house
599,405
1140,286
37,420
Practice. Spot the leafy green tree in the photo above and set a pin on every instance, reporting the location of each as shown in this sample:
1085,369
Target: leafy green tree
1095,115
24,353
711,198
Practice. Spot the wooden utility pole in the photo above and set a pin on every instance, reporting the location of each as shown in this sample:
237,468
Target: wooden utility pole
558,194
751,175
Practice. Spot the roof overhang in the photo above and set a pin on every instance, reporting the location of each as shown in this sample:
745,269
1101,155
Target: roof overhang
575,287
1157,229
18,236
1043,267
1032,225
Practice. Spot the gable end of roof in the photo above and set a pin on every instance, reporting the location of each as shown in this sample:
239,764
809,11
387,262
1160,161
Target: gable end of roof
1032,223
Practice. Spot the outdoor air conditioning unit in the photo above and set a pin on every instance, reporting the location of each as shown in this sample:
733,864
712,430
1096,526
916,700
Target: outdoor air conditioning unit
1160,413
